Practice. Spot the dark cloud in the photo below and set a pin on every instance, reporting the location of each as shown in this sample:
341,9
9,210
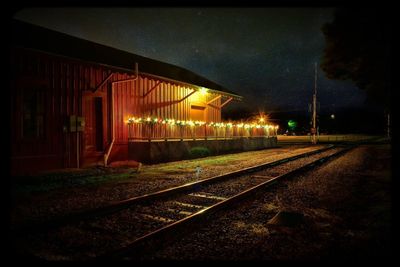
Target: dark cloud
264,54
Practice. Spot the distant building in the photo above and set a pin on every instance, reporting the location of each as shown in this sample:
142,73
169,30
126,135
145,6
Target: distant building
75,103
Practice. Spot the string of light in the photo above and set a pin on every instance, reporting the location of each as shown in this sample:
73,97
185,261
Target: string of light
155,120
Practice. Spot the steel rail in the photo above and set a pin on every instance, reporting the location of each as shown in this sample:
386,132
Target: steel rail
169,232
124,204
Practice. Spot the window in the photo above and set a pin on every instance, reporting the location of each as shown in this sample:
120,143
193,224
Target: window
33,104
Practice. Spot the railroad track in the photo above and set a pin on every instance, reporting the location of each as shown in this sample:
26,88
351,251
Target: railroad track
154,219
39,225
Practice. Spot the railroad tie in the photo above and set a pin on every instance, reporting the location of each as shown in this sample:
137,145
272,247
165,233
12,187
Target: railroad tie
189,205
207,196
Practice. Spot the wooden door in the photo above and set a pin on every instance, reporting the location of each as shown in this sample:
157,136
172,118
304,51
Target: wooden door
98,121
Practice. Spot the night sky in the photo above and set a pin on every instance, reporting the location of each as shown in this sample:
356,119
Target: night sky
266,55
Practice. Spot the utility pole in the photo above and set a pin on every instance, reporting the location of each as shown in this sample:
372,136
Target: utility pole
314,115
388,125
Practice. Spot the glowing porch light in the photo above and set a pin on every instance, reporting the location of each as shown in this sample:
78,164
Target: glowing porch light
203,91
262,120
148,119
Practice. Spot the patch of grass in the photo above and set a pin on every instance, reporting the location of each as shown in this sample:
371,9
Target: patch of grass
218,161
188,166
199,152
45,184
90,177
169,169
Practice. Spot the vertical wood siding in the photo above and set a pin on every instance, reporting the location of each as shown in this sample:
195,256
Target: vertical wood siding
68,86
166,101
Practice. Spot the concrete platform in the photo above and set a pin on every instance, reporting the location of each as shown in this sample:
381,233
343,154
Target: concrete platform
164,151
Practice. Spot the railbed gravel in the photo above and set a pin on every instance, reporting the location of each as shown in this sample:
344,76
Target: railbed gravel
113,231
43,206
342,221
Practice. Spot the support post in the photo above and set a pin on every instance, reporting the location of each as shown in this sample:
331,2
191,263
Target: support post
77,149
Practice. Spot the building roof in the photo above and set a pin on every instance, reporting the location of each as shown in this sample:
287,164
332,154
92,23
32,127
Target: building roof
35,37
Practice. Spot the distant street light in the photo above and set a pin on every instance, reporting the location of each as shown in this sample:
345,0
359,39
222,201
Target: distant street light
333,116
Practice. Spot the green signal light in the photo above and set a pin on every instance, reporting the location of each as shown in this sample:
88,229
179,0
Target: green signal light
292,124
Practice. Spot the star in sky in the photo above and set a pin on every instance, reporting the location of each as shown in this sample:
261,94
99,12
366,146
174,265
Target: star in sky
265,54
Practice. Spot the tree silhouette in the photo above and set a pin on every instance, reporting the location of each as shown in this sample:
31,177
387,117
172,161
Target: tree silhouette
358,48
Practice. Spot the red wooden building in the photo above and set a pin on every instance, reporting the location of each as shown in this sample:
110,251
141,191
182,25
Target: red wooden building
75,103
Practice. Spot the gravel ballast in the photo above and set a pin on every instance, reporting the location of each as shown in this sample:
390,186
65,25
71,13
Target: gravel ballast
152,178
95,237
346,206
342,210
